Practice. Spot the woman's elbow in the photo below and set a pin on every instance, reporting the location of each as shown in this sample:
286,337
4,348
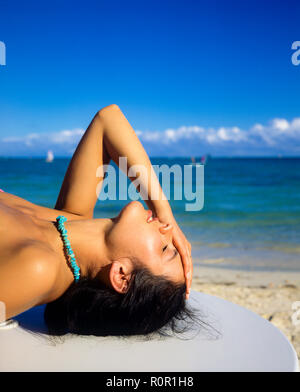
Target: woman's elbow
108,110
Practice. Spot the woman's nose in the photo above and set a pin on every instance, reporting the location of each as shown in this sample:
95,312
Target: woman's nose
166,229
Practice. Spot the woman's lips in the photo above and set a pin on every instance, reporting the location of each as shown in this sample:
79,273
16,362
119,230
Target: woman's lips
150,216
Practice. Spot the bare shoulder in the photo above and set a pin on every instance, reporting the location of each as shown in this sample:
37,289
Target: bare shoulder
27,279
34,210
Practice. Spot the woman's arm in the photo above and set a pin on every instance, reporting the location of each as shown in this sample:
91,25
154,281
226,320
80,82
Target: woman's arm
110,136
78,191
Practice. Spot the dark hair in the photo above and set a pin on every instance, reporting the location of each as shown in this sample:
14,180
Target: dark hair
91,308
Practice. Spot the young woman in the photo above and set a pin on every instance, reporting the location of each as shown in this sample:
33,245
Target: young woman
128,274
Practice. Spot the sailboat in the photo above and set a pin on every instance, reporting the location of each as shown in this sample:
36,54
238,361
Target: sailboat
50,156
204,159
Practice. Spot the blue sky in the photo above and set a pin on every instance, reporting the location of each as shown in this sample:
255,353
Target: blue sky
192,77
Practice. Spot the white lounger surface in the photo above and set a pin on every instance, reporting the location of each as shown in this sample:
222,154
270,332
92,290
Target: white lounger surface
246,342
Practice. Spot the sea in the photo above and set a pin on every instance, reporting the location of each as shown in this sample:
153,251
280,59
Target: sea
250,218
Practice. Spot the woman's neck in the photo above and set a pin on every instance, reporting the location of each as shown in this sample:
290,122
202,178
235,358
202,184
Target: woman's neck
87,239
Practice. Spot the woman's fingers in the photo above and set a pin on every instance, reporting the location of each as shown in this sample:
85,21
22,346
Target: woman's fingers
186,263
183,247
189,274
189,269
185,255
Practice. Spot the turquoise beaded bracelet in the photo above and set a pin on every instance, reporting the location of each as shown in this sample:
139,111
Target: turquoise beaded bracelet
72,261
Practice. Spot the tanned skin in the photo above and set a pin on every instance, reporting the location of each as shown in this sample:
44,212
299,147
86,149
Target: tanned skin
32,271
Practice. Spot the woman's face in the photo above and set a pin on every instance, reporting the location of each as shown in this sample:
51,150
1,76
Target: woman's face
133,236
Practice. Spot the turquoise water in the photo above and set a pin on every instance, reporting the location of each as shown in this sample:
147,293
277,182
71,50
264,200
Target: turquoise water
250,219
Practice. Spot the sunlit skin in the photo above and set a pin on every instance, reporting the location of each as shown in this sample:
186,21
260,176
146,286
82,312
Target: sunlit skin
33,267
110,248
151,243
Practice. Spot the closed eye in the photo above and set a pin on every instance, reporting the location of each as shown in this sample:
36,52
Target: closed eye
175,252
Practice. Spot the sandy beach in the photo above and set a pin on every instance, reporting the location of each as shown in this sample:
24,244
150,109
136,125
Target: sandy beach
269,294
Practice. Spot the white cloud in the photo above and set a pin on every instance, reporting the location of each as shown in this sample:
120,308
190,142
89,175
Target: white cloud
36,144
279,136
280,124
66,136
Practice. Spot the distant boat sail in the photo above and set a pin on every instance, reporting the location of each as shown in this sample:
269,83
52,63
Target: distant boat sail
50,156
203,160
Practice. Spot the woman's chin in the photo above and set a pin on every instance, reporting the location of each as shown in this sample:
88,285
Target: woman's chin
131,209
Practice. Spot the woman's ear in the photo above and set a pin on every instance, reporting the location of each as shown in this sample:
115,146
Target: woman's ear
120,274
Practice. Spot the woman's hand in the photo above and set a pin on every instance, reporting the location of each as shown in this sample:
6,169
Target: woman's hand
183,246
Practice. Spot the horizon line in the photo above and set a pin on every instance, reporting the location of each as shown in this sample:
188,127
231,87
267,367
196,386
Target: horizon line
278,156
